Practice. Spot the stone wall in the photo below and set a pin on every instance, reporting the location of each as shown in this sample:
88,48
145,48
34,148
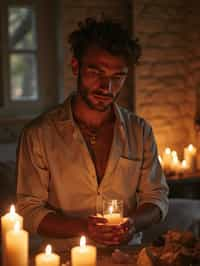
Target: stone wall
168,77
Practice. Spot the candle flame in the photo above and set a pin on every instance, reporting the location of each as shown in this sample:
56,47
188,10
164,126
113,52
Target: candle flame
12,210
48,250
83,242
191,148
17,226
167,150
111,209
174,154
175,160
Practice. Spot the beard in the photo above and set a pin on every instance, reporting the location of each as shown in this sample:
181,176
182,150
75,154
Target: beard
96,99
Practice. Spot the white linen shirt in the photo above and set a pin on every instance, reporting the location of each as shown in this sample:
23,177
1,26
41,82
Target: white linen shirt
56,173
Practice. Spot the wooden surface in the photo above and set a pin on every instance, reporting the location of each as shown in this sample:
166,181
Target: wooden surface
104,256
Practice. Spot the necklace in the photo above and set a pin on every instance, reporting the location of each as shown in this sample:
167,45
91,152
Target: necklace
89,133
92,134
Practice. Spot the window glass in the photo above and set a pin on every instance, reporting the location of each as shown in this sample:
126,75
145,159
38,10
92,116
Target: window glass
21,28
23,77
22,54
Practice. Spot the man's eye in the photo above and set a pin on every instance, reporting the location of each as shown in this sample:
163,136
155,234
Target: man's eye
119,77
93,71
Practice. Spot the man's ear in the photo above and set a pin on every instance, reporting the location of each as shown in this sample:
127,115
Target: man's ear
75,66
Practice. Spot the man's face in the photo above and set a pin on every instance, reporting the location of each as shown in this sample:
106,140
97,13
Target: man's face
101,76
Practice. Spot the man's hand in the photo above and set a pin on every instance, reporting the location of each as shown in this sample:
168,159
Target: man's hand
104,233
128,230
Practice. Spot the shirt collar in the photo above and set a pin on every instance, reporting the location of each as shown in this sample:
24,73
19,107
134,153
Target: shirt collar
120,122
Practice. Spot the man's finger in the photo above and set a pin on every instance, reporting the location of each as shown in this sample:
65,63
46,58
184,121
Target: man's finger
107,228
127,222
126,237
106,241
97,219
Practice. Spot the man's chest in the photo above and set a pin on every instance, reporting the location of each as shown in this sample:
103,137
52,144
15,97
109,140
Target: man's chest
99,146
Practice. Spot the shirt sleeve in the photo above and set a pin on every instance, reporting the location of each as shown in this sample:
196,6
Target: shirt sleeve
152,187
32,179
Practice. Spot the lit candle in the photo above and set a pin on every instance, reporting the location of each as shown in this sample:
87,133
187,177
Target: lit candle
113,217
84,254
174,154
184,167
175,163
7,223
167,159
17,246
48,258
190,157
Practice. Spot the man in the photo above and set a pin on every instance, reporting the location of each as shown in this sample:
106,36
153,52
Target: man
89,149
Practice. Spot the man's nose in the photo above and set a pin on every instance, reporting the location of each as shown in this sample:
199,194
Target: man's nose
106,84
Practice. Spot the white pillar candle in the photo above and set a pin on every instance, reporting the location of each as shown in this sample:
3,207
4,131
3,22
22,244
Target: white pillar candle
17,246
190,157
175,163
7,223
48,258
184,167
113,217
167,159
83,255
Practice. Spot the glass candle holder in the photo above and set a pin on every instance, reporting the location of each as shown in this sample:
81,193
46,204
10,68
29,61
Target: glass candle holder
113,211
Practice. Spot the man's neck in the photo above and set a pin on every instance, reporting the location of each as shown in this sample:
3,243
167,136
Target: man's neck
93,118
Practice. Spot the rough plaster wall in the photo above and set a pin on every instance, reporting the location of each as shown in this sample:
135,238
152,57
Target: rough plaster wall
194,61
194,48
75,11
165,88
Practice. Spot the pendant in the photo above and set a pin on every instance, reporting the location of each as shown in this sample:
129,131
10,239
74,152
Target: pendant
93,140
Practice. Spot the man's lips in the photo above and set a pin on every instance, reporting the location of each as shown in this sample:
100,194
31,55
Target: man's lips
103,96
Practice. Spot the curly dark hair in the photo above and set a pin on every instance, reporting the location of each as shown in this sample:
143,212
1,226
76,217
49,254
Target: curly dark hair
107,34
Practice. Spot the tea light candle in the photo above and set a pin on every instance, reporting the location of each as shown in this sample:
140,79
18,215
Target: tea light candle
17,246
7,223
113,217
84,254
48,258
